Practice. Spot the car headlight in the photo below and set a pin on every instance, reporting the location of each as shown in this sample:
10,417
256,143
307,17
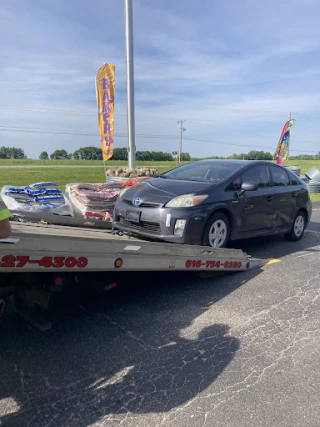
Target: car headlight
186,201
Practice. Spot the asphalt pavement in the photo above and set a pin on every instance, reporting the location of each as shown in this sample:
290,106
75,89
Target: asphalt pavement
240,350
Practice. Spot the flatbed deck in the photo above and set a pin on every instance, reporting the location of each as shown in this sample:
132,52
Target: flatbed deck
46,254
42,247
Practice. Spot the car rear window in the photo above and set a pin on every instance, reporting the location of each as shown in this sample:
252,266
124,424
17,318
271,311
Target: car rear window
279,177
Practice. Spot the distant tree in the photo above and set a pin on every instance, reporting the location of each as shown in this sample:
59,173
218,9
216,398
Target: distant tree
252,155
44,155
152,156
159,156
88,153
3,153
185,157
144,155
76,155
12,153
259,155
60,155
306,157
120,154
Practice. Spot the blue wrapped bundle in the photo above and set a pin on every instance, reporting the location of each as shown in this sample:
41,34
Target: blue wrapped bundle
49,198
35,192
20,196
14,190
43,188
53,191
40,185
38,197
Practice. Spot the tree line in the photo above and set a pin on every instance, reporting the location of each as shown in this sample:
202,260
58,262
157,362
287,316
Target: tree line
12,153
306,157
252,155
94,153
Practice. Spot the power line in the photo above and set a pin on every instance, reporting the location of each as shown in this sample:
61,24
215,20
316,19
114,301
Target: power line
242,145
52,92
76,113
142,136
71,132
87,97
198,122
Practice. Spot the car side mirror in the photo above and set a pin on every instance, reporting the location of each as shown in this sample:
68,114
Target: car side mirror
248,186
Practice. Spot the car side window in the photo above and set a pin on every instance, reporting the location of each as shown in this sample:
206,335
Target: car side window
279,177
294,180
235,185
257,175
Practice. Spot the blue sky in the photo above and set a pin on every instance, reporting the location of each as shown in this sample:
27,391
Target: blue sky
232,69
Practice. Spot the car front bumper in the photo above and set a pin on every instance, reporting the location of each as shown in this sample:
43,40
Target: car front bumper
159,223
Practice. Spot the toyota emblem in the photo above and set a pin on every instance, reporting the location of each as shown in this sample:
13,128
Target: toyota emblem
136,201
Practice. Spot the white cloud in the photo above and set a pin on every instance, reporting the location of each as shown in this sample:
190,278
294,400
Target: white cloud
236,86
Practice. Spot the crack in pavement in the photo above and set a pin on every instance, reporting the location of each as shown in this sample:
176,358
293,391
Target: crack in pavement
185,379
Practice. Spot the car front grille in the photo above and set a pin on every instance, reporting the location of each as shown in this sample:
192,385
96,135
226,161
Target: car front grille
143,204
152,227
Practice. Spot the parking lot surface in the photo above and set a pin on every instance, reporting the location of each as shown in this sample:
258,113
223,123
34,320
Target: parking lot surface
240,349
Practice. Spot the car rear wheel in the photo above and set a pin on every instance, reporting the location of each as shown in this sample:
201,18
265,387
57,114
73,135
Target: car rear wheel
217,231
298,227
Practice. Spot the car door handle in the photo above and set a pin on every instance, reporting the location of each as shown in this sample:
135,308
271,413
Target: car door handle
294,195
269,198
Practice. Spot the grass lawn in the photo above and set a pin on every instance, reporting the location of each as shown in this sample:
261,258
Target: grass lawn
305,165
110,163
63,176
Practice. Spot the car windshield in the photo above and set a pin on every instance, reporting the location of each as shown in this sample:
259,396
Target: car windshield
203,171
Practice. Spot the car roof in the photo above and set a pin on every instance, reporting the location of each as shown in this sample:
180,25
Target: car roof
234,161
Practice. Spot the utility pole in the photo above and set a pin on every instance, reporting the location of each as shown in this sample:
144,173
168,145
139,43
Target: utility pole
130,83
182,129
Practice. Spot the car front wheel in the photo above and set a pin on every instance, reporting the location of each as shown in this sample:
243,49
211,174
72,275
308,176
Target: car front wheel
298,227
217,231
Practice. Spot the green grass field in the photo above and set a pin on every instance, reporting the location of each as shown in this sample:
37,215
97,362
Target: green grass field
84,163
83,172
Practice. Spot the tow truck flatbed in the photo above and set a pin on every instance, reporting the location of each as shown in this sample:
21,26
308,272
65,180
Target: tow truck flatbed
46,254
45,248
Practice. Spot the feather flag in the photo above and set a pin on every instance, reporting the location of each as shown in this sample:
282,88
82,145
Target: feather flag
282,150
105,89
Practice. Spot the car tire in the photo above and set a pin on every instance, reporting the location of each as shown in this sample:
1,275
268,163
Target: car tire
217,231
298,227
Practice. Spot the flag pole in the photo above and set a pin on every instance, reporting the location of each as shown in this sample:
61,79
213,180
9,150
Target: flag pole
130,83
290,117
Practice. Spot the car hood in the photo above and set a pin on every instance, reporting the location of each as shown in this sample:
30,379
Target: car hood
160,190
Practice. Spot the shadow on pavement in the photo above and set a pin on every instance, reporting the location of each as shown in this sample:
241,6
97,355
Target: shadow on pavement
123,352
138,350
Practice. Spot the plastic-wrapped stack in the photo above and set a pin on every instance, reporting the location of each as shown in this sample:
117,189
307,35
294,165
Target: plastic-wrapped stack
93,201
294,169
38,197
313,176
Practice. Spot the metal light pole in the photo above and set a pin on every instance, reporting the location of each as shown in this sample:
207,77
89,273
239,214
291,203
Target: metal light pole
130,83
